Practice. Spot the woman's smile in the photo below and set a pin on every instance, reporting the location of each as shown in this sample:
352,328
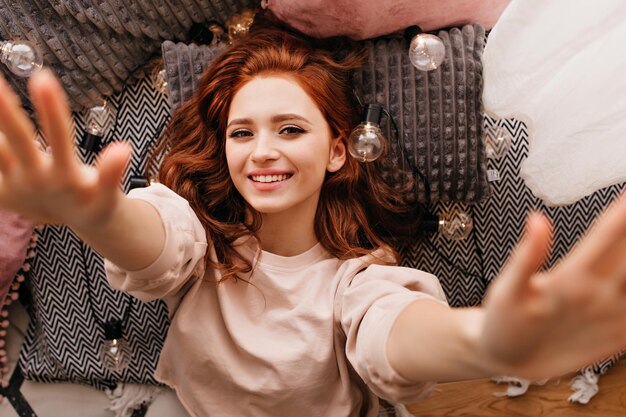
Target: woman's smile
269,182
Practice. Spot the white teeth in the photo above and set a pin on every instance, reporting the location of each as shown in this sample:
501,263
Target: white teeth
270,178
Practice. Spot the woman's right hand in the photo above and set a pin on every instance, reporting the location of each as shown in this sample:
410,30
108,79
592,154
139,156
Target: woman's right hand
53,187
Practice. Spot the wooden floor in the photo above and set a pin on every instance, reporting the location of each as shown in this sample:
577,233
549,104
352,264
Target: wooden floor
475,398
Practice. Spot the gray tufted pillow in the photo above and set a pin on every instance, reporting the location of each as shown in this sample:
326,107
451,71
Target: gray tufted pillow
97,47
183,65
438,113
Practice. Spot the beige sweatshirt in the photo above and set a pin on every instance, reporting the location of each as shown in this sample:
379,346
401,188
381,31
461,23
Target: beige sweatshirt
306,338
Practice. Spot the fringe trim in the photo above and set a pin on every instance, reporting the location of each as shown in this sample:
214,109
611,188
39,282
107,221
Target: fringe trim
401,411
126,398
517,386
12,296
584,387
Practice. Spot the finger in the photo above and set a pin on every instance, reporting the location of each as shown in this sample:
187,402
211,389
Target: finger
7,160
611,260
530,253
17,127
605,237
55,117
112,163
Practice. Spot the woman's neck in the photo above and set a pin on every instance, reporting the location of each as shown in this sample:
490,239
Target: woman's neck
285,236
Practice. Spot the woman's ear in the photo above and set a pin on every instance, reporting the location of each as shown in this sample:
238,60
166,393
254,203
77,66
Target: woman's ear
337,155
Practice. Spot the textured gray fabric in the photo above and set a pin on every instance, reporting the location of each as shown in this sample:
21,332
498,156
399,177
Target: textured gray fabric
183,65
438,113
97,46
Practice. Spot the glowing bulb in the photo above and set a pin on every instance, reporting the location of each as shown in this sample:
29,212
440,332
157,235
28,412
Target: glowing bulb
239,25
366,141
22,57
497,140
159,79
219,34
426,51
114,353
99,120
455,225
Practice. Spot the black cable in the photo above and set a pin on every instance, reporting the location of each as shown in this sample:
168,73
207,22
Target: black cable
145,151
414,170
102,324
442,255
427,190
113,133
479,251
418,174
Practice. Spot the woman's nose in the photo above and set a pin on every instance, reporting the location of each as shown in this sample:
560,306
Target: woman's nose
264,148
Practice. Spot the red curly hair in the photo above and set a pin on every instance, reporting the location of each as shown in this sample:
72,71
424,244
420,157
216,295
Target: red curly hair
357,210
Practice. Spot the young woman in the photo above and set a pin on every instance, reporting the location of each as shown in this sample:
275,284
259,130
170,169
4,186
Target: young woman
272,249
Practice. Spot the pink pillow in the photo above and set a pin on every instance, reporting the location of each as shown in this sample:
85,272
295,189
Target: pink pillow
15,234
364,19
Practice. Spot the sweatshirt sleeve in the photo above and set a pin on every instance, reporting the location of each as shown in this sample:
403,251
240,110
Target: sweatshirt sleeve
182,258
370,305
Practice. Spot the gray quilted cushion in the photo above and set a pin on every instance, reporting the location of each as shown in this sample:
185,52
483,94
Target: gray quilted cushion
97,47
183,66
438,113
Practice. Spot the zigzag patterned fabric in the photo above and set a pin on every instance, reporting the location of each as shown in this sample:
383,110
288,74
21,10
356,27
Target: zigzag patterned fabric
63,336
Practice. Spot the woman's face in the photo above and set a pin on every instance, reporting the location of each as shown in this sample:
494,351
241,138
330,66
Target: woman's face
279,146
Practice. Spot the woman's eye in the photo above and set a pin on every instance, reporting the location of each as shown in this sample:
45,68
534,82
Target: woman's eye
292,130
240,133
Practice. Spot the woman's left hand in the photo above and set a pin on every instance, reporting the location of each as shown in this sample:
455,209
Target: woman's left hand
542,324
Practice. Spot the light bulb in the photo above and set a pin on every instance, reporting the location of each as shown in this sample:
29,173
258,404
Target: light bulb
497,141
220,36
99,120
455,225
114,352
239,25
159,79
426,51
22,57
365,142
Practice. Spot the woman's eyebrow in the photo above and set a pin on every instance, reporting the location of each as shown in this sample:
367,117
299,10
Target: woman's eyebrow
275,119
288,116
242,121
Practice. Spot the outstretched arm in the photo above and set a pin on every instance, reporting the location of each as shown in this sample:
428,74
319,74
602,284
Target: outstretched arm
531,324
57,188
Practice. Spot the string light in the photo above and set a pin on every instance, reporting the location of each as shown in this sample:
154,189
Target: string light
497,141
114,352
426,51
366,140
366,144
454,224
99,120
239,25
158,78
22,57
